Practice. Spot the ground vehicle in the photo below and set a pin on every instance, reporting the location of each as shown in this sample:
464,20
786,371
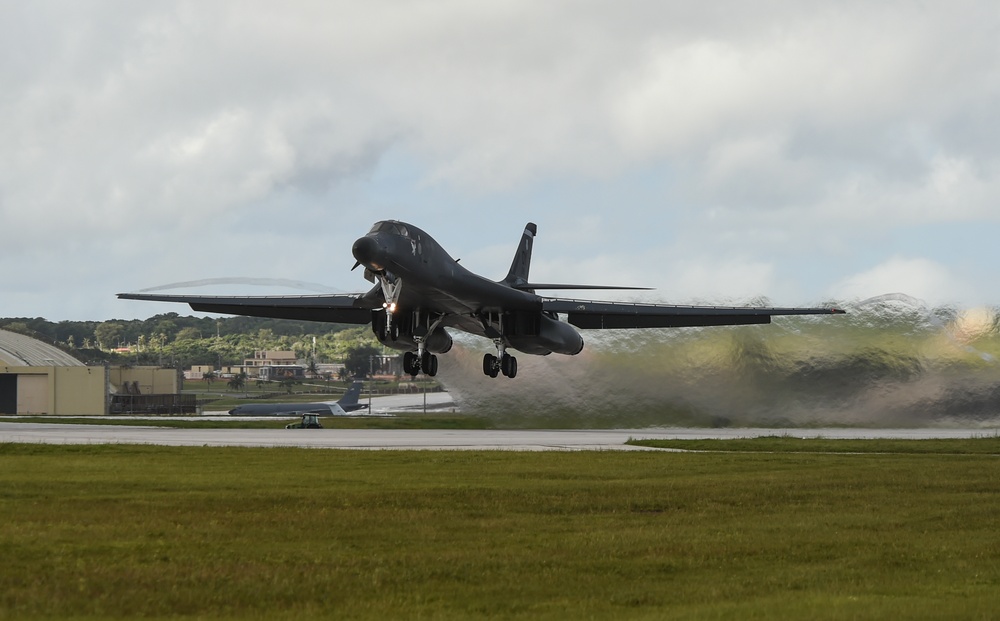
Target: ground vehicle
309,421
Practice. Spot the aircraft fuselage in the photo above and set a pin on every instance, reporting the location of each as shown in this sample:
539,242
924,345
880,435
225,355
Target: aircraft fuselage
433,278
426,289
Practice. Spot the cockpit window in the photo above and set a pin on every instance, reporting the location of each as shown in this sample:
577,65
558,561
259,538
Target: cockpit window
387,226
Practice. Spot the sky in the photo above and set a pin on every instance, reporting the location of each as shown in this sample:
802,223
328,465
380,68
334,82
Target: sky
798,153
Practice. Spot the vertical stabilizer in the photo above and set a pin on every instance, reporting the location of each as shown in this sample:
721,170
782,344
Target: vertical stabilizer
518,274
351,396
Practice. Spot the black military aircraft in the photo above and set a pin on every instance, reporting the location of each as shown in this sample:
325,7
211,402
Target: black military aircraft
420,290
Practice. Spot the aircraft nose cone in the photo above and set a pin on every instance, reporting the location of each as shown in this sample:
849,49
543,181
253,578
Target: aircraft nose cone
366,250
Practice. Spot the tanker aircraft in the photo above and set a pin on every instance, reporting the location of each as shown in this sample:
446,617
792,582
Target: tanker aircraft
347,404
420,291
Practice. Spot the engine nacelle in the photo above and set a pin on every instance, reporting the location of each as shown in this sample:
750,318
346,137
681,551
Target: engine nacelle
560,337
552,336
438,341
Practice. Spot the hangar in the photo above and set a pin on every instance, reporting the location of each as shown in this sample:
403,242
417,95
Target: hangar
37,378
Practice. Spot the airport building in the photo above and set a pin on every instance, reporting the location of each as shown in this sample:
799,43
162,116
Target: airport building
39,379
273,365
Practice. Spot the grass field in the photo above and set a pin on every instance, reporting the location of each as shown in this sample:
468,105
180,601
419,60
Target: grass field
95,532
988,444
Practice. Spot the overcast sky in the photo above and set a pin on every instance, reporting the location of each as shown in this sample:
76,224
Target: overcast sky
801,152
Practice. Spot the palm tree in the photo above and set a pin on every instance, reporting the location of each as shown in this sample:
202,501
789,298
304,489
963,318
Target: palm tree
209,376
238,382
287,383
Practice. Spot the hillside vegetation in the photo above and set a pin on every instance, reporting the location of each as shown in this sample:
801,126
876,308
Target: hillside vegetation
173,340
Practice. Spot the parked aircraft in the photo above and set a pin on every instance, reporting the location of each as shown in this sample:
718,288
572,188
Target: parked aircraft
420,290
347,403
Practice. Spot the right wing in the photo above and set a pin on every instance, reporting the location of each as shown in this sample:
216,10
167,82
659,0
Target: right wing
339,308
590,314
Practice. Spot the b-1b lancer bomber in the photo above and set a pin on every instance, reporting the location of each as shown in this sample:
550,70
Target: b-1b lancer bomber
420,291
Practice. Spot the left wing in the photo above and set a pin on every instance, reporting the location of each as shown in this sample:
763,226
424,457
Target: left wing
340,308
590,314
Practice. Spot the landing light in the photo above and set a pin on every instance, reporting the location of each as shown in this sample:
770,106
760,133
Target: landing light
389,307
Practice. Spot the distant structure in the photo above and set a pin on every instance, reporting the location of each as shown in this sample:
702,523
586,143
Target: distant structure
39,379
20,350
274,366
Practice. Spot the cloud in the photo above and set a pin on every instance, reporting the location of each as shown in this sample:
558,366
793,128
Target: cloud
709,145
920,278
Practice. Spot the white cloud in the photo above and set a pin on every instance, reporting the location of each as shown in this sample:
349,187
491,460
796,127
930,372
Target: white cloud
754,132
919,278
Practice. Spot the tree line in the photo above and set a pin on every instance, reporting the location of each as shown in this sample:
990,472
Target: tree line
170,339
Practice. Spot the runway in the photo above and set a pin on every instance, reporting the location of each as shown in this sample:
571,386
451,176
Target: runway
428,439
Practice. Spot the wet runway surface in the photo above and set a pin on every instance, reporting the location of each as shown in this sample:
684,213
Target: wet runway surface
429,439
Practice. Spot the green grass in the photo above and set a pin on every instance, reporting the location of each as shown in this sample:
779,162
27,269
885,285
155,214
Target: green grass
98,532
986,445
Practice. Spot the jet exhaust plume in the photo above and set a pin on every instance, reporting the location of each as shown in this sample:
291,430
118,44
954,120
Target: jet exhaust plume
890,362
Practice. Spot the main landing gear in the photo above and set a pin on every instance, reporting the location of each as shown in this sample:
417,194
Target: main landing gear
505,363
502,362
415,362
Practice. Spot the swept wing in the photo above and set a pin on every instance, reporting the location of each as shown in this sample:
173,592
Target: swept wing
593,315
585,314
339,308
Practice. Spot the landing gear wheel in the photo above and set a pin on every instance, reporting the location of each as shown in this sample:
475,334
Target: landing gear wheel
505,363
429,364
491,365
508,365
410,366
